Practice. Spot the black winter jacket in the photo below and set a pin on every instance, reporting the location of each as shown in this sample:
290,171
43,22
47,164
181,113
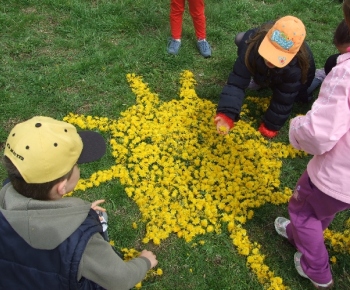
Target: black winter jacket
285,84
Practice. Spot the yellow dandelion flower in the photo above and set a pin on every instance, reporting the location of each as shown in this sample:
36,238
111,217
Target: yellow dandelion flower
159,272
210,229
333,260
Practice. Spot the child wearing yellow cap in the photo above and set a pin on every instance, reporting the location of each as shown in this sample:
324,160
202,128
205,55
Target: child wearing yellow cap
274,55
50,242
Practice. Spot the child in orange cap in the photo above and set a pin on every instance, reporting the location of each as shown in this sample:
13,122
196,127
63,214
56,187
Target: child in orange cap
274,55
50,242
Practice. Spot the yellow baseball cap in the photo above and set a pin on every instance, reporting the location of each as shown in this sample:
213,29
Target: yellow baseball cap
44,149
283,41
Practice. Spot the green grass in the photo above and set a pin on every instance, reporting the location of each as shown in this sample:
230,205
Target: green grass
61,56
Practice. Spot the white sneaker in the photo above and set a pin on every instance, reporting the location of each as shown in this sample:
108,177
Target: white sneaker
281,224
301,272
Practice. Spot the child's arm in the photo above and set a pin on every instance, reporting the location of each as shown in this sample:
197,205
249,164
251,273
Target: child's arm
150,256
103,266
329,118
283,98
233,93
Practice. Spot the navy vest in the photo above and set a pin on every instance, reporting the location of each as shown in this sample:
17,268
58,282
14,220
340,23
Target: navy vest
23,267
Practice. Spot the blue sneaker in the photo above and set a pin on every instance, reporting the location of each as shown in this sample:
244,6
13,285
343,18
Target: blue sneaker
174,46
204,48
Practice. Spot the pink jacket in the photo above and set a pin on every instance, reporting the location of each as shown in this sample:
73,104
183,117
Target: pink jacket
325,133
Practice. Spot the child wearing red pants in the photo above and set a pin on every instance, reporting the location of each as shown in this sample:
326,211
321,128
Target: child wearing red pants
196,7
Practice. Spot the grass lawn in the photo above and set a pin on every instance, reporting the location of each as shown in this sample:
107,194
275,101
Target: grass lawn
73,56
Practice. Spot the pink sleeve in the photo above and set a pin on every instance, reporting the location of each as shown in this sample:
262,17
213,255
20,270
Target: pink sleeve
329,118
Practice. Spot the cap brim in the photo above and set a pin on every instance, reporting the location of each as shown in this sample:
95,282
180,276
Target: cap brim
94,146
273,55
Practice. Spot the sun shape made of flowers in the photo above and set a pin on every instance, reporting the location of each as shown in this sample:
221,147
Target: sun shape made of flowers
187,179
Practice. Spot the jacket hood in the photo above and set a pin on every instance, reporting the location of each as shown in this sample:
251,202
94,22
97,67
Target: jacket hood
42,224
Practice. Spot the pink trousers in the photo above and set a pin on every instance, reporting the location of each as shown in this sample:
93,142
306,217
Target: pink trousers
196,7
311,211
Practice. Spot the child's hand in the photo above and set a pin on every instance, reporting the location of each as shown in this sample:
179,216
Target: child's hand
222,126
150,256
266,132
95,205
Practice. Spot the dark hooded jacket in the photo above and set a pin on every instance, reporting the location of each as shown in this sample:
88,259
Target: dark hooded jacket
57,244
24,267
285,84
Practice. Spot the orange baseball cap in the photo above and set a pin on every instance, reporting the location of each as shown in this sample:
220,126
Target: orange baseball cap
283,41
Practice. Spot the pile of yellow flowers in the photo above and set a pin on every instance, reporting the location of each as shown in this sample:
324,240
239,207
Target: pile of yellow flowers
187,179
340,242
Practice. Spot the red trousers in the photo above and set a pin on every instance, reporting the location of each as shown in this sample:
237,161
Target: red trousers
196,7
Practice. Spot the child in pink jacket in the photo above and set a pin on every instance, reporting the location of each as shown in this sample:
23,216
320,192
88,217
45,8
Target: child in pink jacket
323,189
196,7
